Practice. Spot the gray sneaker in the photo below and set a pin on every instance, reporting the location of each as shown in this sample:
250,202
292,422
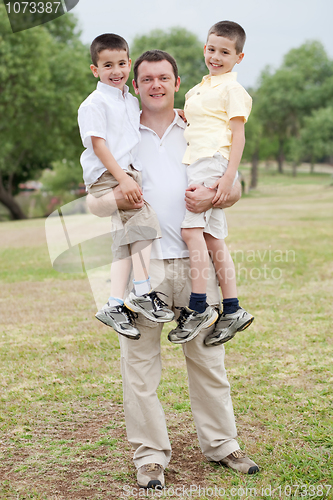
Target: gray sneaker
151,476
227,326
120,319
151,306
190,324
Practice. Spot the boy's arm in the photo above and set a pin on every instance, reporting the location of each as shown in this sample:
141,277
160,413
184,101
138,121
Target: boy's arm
224,184
131,190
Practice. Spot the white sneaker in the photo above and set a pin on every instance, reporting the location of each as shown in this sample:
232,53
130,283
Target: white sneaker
120,319
151,306
190,324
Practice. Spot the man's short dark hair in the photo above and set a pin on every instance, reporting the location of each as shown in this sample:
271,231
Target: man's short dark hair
231,30
155,56
108,41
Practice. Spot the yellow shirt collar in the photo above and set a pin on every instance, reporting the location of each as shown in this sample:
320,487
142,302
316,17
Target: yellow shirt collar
217,80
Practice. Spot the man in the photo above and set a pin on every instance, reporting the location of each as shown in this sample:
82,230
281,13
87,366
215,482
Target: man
164,183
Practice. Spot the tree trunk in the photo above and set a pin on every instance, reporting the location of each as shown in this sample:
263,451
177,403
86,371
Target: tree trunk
280,157
254,170
8,201
294,168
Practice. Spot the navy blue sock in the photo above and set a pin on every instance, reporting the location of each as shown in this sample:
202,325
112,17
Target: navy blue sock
198,302
230,306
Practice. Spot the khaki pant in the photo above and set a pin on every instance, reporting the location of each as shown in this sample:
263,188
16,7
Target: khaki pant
208,385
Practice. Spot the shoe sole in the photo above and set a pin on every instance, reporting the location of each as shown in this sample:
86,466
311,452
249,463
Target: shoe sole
226,339
154,484
146,315
195,332
103,320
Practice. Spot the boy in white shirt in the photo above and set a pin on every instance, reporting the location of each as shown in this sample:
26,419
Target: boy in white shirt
109,126
216,110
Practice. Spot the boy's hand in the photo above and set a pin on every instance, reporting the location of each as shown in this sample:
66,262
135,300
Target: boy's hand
223,187
130,189
181,114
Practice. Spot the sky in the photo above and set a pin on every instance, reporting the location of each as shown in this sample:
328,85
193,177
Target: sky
273,27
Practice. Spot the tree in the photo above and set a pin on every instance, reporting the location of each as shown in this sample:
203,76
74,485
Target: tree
316,135
184,46
44,76
293,91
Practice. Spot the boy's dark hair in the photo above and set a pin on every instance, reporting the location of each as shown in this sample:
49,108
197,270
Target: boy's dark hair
154,56
231,30
108,41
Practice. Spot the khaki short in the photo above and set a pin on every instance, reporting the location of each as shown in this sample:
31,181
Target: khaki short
128,226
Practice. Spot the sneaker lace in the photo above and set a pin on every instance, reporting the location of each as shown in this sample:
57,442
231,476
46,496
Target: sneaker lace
184,314
238,454
152,467
130,315
157,302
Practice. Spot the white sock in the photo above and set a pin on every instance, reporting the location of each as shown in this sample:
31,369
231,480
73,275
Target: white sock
141,287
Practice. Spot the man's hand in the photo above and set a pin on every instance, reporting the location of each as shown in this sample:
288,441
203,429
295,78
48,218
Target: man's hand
198,198
130,189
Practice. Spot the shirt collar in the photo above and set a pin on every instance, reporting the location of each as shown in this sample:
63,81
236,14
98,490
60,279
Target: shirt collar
112,91
176,121
217,80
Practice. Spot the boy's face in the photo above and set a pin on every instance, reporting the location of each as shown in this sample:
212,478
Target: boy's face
113,68
220,55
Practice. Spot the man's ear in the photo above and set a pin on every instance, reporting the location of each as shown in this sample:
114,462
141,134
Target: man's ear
94,70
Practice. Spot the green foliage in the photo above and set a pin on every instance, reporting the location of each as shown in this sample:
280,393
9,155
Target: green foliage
65,176
184,46
44,76
285,99
316,136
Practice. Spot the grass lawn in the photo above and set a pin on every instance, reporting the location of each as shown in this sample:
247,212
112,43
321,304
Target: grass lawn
63,434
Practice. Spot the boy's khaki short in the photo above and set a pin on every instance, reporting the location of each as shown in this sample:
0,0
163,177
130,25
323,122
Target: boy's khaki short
128,226
106,182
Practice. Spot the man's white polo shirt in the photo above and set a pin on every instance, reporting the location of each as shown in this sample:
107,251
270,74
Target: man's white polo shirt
114,117
164,182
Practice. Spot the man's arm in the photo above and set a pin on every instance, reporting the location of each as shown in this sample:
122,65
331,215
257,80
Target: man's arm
199,198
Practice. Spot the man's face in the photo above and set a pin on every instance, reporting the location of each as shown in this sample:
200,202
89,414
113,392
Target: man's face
156,85
220,55
113,68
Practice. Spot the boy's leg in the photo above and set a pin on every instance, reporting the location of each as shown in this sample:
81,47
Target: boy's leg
197,248
224,266
142,299
234,318
198,315
114,313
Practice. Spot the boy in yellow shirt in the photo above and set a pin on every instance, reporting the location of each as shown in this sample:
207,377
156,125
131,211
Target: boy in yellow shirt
216,110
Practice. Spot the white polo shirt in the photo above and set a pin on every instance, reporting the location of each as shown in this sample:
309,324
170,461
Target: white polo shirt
164,182
115,117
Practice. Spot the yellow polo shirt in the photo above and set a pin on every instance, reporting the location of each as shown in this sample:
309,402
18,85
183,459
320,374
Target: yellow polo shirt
209,106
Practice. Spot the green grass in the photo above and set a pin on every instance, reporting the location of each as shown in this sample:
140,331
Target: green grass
62,426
